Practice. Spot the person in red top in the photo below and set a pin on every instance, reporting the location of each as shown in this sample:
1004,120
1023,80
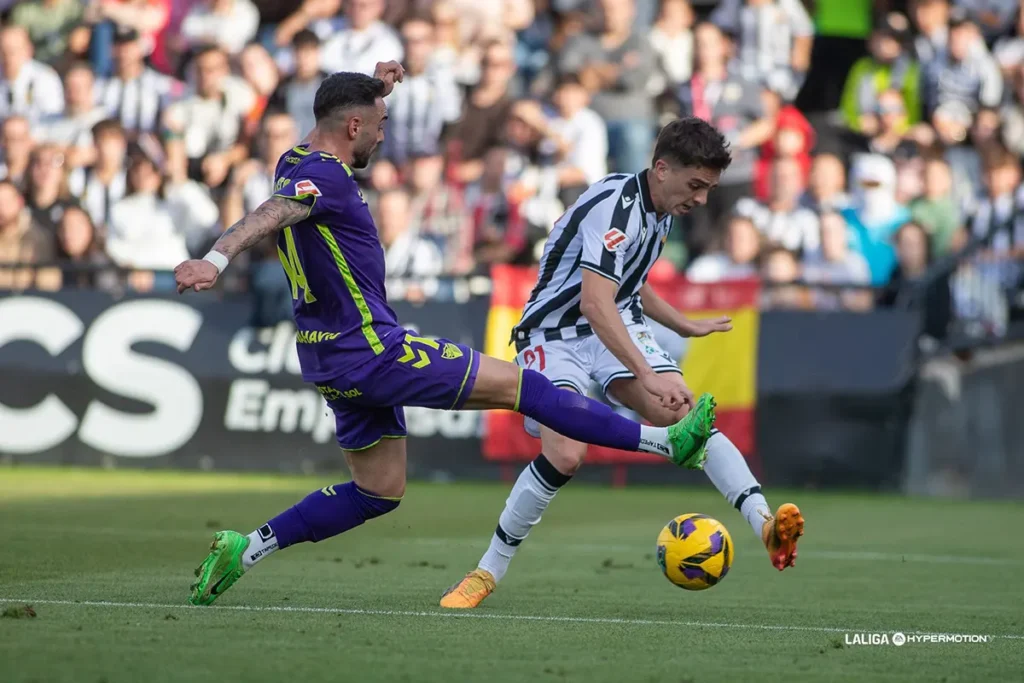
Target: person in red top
794,139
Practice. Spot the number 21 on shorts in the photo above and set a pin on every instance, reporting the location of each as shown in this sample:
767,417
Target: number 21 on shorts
530,356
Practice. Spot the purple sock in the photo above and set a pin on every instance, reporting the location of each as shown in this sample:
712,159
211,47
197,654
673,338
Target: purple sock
328,512
577,417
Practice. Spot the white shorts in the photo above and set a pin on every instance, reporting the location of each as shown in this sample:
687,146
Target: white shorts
577,364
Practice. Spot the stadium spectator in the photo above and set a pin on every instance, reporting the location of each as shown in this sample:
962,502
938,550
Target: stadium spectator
874,214
889,67
72,128
500,232
484,113
909,284
365,41
461,56
827,185
16,147
841,28
295,93
1011,113
533,150
146,18
584,136
998,222
937,210
143,234
406,254
80,258
888,131
260,73
101,185
996,18
206,127
737,259
782,220
419,111
50,24
439,214
227,24
319,16
46,188
931,17
616,65
737,106
794,139
671,39
27,88
22,242
781,272
966,79
774,41
837,265
135,94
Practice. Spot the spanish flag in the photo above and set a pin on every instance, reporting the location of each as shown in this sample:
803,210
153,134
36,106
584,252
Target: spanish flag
723,364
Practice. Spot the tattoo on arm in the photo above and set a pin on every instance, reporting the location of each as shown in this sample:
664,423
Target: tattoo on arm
269,217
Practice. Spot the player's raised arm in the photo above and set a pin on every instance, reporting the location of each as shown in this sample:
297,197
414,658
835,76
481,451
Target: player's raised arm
269,217
661,311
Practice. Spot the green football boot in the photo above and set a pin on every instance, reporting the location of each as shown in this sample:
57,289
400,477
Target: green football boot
221,568
689,437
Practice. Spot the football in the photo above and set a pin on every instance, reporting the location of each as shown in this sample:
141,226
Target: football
694,551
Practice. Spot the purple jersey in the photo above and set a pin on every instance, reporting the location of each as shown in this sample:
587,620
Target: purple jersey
335,265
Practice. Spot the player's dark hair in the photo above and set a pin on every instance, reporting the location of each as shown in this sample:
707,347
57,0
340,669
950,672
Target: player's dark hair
343,90
693,142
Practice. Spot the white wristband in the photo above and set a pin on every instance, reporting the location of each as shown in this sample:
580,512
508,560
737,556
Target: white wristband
218,259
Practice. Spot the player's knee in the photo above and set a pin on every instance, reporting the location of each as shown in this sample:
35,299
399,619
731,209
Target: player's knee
660,416
388,486
375,504
566,456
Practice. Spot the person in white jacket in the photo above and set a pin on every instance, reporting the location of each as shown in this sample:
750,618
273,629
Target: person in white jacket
158,221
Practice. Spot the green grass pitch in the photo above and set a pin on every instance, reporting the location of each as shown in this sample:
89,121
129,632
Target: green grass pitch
106,559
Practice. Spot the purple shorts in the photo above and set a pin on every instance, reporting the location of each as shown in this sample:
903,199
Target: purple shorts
413,371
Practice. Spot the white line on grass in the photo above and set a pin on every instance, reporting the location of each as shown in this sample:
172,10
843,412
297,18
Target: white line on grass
483,615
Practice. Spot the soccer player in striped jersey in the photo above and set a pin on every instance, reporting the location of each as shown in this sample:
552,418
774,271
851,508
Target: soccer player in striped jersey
353,349
585,323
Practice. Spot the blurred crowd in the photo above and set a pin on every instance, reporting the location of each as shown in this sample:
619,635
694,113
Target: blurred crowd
871,140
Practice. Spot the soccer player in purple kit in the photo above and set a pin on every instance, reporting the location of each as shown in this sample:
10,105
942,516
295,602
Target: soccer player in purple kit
363,362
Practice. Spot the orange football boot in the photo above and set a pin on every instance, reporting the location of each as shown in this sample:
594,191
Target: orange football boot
780,535
469,592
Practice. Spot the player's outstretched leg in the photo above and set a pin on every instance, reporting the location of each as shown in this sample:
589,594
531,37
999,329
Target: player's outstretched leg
322,514
728,471
504,385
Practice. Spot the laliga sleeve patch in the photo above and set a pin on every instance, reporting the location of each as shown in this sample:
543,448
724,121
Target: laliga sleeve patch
613,239
307,187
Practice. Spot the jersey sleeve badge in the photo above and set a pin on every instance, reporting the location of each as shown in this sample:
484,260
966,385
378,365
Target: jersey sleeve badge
613,239
307,187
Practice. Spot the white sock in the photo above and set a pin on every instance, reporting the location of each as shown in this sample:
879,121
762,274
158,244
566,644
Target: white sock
262,543
728,471
532,493
655,440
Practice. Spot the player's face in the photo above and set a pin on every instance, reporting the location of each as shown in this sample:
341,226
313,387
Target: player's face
684,187
369,135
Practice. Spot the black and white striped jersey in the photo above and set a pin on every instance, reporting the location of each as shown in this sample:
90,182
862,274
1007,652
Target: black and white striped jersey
612,230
